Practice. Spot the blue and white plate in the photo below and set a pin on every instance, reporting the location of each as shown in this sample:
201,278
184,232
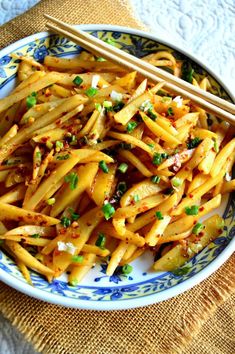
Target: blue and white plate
143,287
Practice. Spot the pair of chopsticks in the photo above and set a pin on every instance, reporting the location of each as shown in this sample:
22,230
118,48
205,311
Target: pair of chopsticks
201,98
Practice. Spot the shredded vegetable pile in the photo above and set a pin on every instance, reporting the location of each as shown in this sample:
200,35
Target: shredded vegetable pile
100,165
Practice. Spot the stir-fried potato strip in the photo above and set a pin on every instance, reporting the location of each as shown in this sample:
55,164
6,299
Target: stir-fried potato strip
97,164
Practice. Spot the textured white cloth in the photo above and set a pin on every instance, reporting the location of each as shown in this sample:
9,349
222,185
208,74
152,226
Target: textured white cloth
204,28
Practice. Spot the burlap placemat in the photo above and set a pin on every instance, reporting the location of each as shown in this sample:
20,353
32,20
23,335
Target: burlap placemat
170,327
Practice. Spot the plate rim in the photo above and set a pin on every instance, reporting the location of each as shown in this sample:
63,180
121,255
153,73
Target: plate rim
153,298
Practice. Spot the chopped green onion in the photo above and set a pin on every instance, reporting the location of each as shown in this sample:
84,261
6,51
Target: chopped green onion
49,145
127,269
77,259
151,114
63,157
59,145
159,215
108,211
146,106
100,59
98,107
187,71
92,91
110,41
31,100
155,179
65,222
73,140
193,210
51,201
166,99
123,167
101,240
35,235
176,182
216,145
136,198
74,216
107,104
118,106
121,187
103,166
38,155
152,146
198,228
72,179
192,143
157,158
170,111
131,126
78,80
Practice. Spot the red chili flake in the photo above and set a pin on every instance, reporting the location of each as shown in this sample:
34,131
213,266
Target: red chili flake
144,208
186,168
75,235
201,233
44,139
201,208
58,122
195,221
190,195
56,252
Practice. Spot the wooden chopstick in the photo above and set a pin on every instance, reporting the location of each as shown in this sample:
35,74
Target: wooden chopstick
201,98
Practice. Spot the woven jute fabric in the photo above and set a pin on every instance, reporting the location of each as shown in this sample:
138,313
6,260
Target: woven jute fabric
199,321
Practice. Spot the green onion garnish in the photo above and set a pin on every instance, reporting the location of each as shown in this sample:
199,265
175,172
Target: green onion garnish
92,91
65,222
159,215
216,145
72,179
77,259
38,155
193,210
176,182
127,269
136,198
35,235
193,143
98,107
123,167
59,145
157,158
107,104
108,211
31,100
103,166
155,179
101,240
151,146
198,228
151,114
131,126
100,59
170,111
50,201
63,157
118,106
181,271
78,80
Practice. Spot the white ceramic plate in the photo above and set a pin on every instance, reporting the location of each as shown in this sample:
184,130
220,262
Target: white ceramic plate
143,287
